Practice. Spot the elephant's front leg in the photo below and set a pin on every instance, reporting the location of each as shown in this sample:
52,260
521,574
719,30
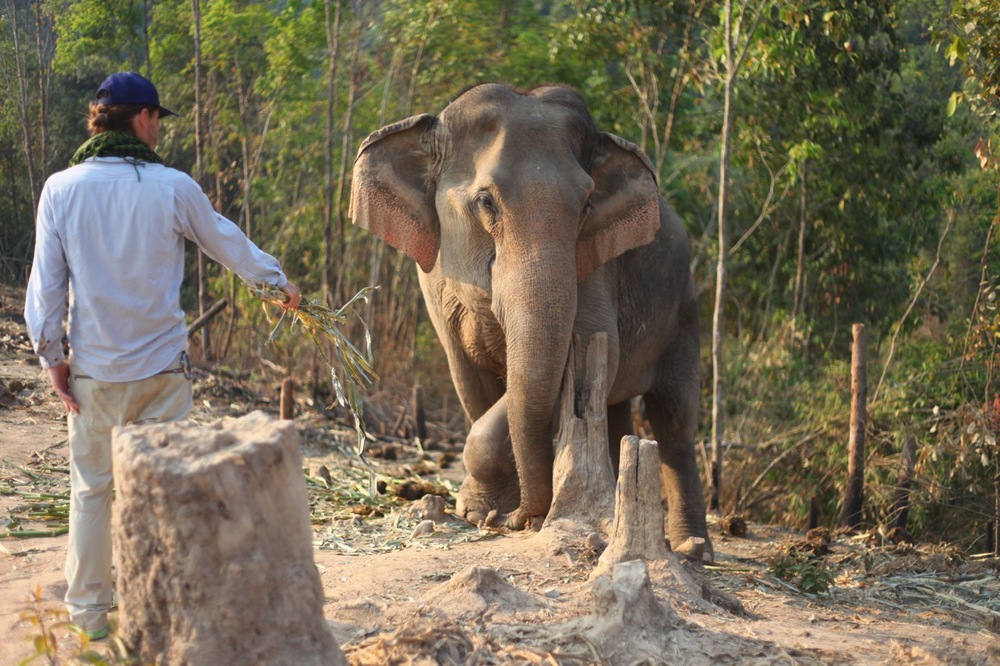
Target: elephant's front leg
491,485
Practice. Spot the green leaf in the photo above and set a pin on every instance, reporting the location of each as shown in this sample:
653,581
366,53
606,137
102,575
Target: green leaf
953,103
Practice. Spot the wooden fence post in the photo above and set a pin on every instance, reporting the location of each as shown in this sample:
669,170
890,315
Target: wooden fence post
419,418
287,398
855,487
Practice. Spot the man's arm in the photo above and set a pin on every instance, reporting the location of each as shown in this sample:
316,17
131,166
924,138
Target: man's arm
45,302
225,242
59,376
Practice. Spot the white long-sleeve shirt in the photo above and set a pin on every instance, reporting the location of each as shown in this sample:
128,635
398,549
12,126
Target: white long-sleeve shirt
109,245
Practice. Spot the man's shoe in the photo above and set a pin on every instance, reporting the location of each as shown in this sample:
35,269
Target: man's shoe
97,635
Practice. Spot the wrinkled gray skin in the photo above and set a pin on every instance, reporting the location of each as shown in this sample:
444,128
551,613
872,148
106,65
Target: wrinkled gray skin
530,226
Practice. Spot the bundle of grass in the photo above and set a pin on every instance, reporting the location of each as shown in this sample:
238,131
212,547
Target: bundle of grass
351,369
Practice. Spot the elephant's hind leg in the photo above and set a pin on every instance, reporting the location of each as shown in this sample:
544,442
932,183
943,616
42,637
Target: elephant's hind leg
619,425
672,409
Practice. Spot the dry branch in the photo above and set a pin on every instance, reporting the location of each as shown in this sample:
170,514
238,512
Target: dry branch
205,318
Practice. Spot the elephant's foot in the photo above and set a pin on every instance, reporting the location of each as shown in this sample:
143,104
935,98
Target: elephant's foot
515,520
696,549
485,503
693,544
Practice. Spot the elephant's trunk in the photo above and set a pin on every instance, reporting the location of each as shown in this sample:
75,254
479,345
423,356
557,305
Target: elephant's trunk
535,301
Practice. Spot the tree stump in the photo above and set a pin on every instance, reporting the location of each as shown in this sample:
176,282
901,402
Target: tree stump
214,546
582,475
638,527
901,500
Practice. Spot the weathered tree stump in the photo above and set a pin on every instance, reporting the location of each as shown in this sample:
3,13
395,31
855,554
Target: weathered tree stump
214,546
901,500
638,528
582,475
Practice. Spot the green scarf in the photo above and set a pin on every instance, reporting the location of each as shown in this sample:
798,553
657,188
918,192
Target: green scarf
115,144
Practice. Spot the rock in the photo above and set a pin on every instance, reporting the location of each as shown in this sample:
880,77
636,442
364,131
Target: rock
423,528
431,507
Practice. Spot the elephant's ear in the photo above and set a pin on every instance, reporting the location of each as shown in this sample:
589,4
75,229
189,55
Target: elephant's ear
625,211
391,192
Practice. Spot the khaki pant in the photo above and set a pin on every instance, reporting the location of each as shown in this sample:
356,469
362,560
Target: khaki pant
161,398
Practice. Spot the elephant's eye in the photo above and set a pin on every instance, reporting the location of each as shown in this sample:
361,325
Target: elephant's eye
487,203
588,206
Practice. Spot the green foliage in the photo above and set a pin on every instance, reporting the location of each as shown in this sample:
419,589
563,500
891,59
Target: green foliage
98,37
53,628
974,39
808,573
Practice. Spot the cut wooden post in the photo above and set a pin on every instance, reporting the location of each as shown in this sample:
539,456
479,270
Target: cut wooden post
813,520
582,477
855,487
901,501
638,527
996,507
419,419
214,546
287,398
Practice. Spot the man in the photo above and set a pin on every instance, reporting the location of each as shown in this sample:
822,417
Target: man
109,247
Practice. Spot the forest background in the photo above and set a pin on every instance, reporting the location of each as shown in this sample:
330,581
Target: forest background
862,188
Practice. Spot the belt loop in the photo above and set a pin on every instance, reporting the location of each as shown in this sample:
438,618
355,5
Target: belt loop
186,366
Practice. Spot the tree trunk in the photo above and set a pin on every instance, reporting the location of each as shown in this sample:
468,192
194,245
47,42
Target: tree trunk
44,47
718,379
800,266
332,9
199,173
24,104
854,490
245,153
214,546
347,139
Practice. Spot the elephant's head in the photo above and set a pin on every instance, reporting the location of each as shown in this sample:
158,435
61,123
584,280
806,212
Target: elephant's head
515,199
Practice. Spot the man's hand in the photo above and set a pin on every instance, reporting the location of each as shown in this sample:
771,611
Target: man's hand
59,376
294,297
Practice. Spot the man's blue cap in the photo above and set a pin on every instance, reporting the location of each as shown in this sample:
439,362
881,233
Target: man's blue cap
130,88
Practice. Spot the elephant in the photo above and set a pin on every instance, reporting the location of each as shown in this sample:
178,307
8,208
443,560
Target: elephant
530,226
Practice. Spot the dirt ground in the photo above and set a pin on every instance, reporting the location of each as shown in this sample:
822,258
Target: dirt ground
399,591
